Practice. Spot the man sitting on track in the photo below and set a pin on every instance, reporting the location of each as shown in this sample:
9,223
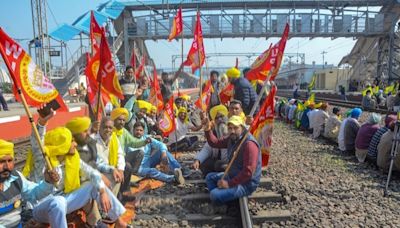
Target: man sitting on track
14,187
71,195
244,175
178,139
332,126
128,143
156,153
350,131
111,160
211,159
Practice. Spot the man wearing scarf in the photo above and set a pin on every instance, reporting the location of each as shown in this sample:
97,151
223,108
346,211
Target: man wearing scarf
133,157
178,139
110,154
244,175
211,159
138,113
14,187
70,195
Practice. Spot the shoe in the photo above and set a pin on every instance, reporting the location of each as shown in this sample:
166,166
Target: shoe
178,176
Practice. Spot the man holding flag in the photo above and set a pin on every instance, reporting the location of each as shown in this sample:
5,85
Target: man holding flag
244,175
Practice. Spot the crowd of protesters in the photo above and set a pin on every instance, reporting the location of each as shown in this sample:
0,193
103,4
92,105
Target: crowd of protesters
93,159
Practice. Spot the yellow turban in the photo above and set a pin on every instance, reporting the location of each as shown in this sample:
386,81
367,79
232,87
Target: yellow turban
153,109
236,120
58,142
218,109
119,112
6,148
182,109
78,124
185,97
318,105
143,105
233,73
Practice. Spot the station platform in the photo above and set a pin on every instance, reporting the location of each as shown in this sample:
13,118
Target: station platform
15,126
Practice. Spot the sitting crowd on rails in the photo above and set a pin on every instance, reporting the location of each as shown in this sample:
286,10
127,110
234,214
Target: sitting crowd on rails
93,159
374,97
370,141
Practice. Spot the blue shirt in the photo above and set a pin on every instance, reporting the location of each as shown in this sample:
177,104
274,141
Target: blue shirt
31,191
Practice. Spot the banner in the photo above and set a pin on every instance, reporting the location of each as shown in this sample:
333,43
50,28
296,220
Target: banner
263,126
312,83
27,76
271,59
95,34
203,101
141,67
167,123
156,97
177,25
107,73
227,93
196,55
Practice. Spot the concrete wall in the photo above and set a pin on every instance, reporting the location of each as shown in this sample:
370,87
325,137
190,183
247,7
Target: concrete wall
330,79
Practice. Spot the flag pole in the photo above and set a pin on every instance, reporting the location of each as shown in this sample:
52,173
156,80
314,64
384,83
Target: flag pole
201,75
28,112
235,154
181,53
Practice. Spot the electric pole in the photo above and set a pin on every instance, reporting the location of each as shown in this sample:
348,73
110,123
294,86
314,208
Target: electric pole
40,36
323,59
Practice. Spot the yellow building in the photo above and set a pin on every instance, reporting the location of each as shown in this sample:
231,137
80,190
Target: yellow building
330,79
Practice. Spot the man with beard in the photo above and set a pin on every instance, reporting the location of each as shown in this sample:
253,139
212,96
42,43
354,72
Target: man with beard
79,183
111,160
178,139
14,188
244,175
211,159
156,153
133,157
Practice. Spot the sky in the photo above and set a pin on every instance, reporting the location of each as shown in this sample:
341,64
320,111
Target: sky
16,20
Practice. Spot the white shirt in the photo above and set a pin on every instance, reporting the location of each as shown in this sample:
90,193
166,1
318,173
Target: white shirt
320,118
180,132
311,117
341,135
103,152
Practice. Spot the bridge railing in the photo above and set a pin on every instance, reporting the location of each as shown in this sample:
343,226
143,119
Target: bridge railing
255,24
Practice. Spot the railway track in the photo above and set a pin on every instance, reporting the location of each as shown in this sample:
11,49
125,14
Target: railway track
321,97
190,205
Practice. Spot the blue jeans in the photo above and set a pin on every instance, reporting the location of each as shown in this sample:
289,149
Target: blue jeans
221,196
147,168
54,209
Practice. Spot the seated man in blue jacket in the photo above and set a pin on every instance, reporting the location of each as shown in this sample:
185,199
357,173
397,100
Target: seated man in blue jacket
156,153
244,175
244,91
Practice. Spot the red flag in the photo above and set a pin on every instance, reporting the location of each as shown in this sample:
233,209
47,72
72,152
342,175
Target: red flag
270,59
263,126
156,97
206,96
260,68
26,75
237,63
196,55
107,73
95,34
177,25
167,123
226,94
92,85
141,67
133,59
277,53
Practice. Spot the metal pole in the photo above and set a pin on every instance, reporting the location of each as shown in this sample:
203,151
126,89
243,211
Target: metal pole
393,153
